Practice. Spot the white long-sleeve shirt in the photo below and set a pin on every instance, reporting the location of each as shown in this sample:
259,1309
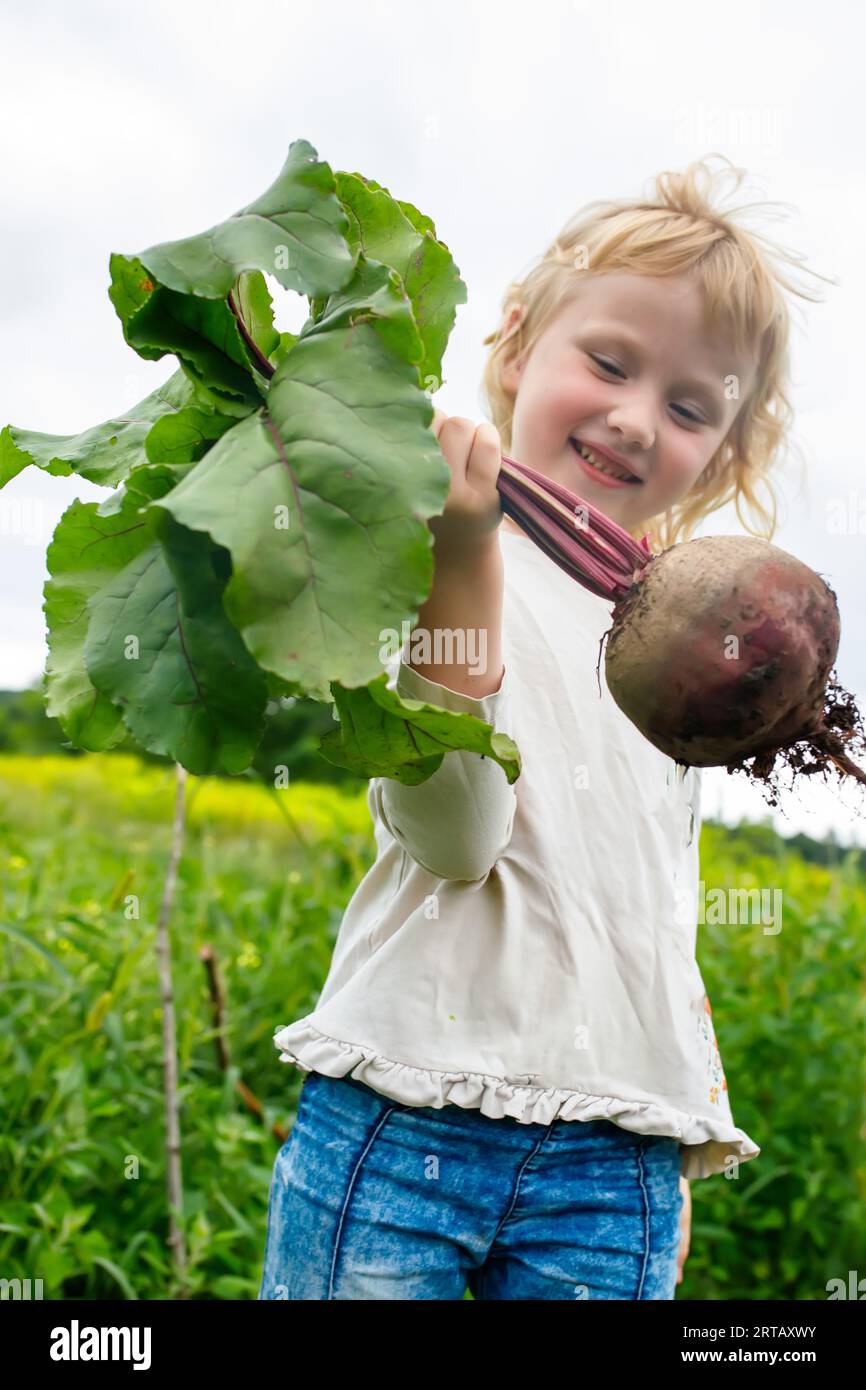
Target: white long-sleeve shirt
529,950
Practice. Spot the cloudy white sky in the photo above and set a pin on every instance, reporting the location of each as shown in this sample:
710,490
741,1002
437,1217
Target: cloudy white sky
124,125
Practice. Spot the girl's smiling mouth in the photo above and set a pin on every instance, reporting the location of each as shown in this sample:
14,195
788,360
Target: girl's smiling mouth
598,470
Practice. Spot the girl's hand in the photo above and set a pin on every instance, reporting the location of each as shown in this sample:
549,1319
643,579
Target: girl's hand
685,1227
472,509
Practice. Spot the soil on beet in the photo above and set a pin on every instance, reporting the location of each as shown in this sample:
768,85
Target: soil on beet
838,732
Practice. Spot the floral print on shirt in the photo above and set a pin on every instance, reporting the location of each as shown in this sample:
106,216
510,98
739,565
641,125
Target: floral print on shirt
707,1036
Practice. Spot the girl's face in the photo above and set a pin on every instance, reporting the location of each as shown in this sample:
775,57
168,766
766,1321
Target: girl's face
627,365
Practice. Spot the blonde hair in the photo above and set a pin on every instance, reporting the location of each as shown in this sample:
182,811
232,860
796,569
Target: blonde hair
676,231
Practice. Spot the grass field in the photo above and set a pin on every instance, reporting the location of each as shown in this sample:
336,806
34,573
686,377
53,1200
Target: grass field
84,844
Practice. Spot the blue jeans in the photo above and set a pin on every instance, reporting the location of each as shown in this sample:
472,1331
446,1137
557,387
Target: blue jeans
374,1199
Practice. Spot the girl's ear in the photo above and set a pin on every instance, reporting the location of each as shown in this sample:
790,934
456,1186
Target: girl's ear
513,363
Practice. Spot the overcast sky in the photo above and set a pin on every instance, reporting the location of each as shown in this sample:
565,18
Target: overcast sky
124,125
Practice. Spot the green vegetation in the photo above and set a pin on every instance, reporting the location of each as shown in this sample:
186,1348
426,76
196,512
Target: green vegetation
264,881
293,728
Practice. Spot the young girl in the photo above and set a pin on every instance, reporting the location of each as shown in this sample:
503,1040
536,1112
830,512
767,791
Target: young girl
512,1067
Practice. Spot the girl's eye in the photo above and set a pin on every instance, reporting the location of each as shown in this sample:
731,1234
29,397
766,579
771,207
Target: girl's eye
611,367
608,366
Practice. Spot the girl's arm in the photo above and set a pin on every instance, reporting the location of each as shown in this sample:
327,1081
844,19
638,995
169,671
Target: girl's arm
465,601
458,822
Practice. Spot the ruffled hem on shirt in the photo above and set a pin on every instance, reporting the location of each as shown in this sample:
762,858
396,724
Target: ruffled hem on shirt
708,1144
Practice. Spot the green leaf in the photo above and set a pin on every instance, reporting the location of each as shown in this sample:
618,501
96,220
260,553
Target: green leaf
322,498
186,436
253,303
160,645
397,235
19,447
283,348
295,231
201,397
141,487
278,688
186,645
117,1275
203,333
383,734
127,970
375,296
105,453
16,934
86,552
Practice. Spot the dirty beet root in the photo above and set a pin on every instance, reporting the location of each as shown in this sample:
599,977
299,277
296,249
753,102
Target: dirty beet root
721,654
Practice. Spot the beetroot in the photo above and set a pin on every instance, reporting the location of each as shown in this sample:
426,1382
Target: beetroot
721,649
